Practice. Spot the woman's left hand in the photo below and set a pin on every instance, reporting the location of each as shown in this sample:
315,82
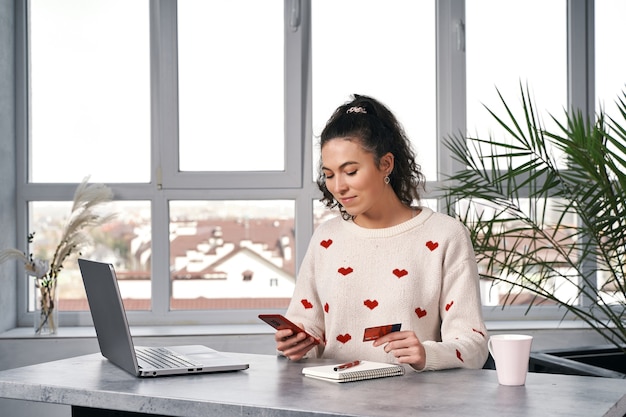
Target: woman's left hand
405,346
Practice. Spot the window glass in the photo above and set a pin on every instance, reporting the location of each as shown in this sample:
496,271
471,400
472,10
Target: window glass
610,64
89,91
231,85
125,241
382,49
502,54
232,254
322,214
610,87
513,240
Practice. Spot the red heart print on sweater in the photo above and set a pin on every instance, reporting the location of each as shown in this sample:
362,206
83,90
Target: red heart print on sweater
459,356
344,338
432,245
345,271
371,304
306,303
449,305
420,313
400,272
326,243
326,307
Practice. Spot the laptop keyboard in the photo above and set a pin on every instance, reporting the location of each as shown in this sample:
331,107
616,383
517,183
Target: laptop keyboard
163,358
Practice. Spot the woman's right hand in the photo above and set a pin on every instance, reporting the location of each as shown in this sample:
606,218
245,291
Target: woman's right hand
294,346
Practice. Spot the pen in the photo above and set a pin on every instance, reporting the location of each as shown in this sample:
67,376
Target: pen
346,365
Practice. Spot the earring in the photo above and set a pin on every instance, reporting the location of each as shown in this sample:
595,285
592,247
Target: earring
386,179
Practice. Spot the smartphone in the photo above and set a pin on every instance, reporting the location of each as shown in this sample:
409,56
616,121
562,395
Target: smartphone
280,322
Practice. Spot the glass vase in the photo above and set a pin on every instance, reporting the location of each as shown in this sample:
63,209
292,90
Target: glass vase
46,307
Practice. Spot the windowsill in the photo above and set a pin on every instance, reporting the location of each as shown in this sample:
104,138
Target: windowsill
506,325
147,331
262,329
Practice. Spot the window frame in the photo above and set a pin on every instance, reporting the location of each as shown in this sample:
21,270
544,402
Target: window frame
164,75
296,181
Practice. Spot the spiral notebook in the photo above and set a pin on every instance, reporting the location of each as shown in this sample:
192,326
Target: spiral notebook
365,370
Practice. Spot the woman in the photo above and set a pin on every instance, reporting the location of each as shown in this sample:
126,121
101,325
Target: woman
384,260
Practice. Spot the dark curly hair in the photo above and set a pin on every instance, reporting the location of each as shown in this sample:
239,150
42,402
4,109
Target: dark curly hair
379,132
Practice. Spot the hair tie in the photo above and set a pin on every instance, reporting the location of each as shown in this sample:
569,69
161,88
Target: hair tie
356,109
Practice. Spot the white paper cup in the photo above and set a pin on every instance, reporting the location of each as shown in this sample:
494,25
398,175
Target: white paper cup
511,353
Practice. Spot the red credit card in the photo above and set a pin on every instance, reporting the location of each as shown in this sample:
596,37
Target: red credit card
373,333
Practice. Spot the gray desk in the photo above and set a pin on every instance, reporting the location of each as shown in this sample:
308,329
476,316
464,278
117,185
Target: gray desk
274,387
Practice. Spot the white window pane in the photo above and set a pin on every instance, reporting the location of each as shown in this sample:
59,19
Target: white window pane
610,85
382,49
232,254
610,63
231,85
509,43
89,90
321,213
125,242
513,239
502,55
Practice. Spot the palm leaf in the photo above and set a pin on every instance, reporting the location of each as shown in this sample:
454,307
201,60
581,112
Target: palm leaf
519,202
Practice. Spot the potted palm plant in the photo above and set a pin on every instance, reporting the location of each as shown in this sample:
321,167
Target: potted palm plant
546,210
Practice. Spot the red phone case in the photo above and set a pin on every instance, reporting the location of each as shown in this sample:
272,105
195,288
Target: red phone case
280,322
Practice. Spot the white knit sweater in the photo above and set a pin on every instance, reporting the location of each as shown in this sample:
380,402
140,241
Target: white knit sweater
421,273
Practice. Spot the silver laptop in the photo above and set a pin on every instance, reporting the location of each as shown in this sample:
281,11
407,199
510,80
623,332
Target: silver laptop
116,343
